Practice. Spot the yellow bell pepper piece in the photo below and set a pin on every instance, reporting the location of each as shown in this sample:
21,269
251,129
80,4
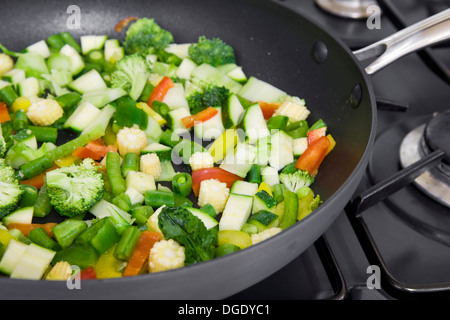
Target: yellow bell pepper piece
66,161
222,144
108,266
152,113
5,237
333,143
21,103
238,238
264,186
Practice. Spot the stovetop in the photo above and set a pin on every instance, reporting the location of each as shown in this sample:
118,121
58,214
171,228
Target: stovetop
384,252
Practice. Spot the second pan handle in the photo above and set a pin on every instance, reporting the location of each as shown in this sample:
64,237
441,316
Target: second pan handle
427,32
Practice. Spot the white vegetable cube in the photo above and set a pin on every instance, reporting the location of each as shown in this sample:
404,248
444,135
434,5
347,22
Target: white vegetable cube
175,98
33,263
140,181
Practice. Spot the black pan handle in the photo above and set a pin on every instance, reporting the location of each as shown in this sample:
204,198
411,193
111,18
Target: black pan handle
432,30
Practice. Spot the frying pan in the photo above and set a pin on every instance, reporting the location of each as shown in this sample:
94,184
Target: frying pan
274,44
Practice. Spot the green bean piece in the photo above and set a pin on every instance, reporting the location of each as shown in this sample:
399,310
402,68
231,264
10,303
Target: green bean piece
29,195
123,202
127,243
130,163
182,184
68,100
278,192
42,206
169,138
20,120
156,198
277,123
8,95
141,214
55,41
254,175
114,171
40,237
317,125
290,209
66,231
68,39
44,134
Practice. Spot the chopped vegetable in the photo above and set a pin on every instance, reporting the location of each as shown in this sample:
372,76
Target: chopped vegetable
160,91
213,192
151,165
45,112
296,180
131,140
211,51
201,160
141,252
60,271
166,255
10,191
313,156
131,74
202,116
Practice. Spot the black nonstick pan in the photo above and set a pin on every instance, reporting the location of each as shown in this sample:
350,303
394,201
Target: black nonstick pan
272,43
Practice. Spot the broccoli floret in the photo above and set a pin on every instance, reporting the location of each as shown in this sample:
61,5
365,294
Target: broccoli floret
146,36
75,189
10,191
212,51
131,74
209,96
296,180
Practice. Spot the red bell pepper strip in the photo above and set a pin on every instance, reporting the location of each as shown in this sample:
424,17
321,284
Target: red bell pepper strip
88,273
141,252
4,114
268,108
160,90
313,156
313,135
212,173
26,228
202,116
96,150
124,23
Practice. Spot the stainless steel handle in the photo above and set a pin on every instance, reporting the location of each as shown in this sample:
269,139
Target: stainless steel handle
420,35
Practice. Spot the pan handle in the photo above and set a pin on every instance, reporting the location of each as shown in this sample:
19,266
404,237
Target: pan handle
422,34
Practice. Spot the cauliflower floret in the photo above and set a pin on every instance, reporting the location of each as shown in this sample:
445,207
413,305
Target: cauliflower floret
264,235
131,140
294,109
60,271
166,255
44,112
201,160
150,164
215,193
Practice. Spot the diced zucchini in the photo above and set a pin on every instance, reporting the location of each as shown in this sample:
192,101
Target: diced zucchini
102,121
263,201
104,208
76,61
175,98
185,69
40,48
233,112
92,42
263,220
163,152
113,50
33,263
82,116
211,128
281,153
208,73
90,81
269,175
257,90
32,63
22,215
254,124
299,146
13,252
174,122
181,50
263,151
28,87
102,97
236,212
153,130
244,187
14,76
239,162
207,220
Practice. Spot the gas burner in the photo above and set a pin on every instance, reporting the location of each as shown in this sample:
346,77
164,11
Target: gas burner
411,204
421,141
355,9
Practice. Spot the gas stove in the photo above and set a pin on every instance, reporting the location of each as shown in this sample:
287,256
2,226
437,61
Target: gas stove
392,241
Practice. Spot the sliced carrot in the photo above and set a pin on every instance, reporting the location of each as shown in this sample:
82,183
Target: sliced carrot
4,114
25,228
141,252
268,108
38,181
202,116
160,90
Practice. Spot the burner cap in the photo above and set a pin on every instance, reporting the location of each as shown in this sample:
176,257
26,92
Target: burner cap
437,134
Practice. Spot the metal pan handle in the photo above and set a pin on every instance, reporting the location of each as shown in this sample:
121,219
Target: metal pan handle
420,35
